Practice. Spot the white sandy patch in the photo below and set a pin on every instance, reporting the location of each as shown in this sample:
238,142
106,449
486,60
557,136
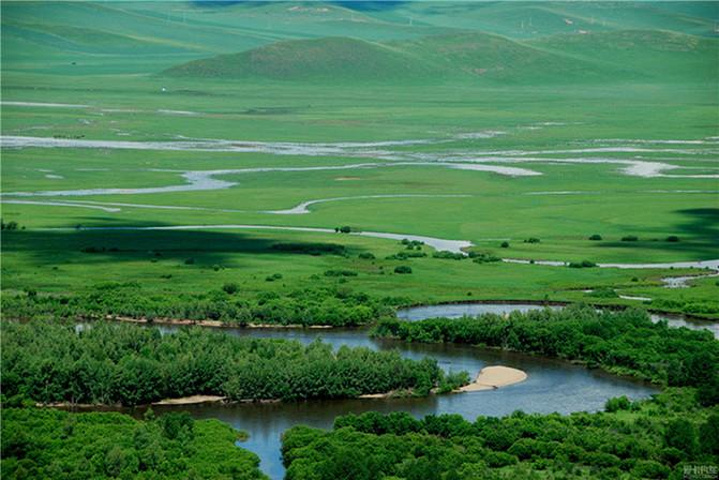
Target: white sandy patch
194,399
510,171
178,112
48,105
54,177
491,378
639,299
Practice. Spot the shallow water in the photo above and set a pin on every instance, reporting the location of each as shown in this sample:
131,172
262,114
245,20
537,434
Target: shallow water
551,386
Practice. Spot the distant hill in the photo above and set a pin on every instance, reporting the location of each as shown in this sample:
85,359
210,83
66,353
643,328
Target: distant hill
473,56
327,58
404,40
643,53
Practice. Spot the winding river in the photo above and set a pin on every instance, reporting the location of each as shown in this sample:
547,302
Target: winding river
551,386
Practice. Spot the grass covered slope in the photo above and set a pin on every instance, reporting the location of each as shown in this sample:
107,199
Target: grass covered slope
329,59
57,445
616,56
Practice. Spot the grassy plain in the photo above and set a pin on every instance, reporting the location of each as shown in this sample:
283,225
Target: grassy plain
114,71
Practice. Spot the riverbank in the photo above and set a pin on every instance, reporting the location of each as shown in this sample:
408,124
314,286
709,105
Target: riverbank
494,377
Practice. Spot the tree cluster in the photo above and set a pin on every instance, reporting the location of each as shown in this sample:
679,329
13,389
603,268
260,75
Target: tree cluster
663,435
57,445
104,363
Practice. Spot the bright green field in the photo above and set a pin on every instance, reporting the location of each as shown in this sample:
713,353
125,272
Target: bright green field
124,96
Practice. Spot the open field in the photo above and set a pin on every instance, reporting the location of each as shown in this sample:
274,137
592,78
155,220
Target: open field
286,164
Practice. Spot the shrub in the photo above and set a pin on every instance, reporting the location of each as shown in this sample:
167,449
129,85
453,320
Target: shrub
582,264
366,256
190,261
650,469
273,277
405,255
617,403
603,292
449,255
630,238
343,229
595,237
485,257
12,225
672,238
230,288
504,245
402,269
532,240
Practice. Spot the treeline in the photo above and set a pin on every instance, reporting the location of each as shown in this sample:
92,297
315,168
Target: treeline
337,307
56,445
660,438
129,365
624,342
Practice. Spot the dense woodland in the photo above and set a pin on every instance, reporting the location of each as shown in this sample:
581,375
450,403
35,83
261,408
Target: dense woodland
625,342
56,445
337,307
659,438
124,364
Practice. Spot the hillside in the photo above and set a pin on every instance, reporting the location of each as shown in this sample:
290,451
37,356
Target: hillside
329,58
643,53
474,57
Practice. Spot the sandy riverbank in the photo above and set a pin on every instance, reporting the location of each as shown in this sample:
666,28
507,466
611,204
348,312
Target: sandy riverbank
191,400
491,378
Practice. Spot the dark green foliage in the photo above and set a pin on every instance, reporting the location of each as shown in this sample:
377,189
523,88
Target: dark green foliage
595,237
273,277
484,257
532,240
672,239
53,444
189,261
682,435
625,342
309,306
504,245
709,435
412,244
603,292
11,225
366,256
403,269
617,403
449,255
630,238
314,249
230,288
582,264
130,365
405,255
343,229
581,445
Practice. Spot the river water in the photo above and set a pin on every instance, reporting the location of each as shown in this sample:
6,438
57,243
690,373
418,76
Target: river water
551,386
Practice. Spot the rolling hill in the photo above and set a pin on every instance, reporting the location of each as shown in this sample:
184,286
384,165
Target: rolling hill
634,55
334,58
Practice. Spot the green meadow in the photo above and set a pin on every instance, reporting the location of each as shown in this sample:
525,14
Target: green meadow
154,72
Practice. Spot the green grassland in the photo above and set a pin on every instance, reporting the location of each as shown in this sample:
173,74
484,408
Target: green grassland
272,74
